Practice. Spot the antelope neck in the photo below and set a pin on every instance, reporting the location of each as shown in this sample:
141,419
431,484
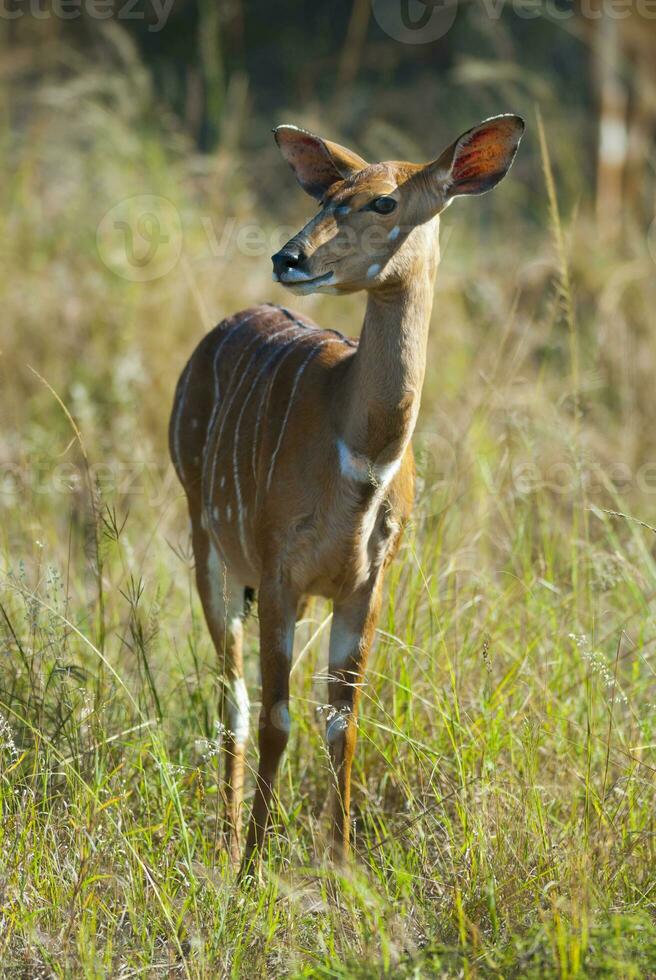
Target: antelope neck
386,374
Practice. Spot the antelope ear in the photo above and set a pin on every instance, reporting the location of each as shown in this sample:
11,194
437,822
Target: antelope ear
317,163
480,158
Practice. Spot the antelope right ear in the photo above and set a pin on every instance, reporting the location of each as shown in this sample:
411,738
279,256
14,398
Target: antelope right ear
480,158
317,163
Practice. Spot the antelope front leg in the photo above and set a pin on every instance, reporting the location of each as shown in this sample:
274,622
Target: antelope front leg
277,609
351,635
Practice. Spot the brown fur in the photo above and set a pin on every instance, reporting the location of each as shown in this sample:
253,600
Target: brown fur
293,443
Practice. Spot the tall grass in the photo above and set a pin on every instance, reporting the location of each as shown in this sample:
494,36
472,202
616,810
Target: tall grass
504,791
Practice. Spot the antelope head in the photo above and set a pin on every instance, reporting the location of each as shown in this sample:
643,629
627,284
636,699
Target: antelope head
375,220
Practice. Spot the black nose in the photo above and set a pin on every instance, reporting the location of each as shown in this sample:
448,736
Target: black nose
289,257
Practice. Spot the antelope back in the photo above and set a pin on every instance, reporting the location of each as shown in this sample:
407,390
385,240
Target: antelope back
252,392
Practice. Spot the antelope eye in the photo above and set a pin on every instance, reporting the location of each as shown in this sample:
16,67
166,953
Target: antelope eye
383,205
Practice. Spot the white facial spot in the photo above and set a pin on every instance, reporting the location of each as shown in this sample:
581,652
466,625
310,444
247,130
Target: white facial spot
394,233
373,270
215,513
238,711
290,402
229,512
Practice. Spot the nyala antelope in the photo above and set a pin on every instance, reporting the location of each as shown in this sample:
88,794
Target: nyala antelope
292,442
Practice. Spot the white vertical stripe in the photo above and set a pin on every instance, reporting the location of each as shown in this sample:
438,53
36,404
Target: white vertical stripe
211,446
215,365
297,379
260,411
265,394
260,341
235,467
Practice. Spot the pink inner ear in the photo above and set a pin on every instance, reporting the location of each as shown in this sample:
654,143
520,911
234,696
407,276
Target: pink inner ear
303,143
484,153
313,167
303,148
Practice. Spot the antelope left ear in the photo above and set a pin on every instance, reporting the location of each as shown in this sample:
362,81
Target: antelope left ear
480,158
316,162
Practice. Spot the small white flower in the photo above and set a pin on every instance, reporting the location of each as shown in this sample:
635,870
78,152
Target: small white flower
7,744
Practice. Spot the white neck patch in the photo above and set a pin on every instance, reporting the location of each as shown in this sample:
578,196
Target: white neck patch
355,466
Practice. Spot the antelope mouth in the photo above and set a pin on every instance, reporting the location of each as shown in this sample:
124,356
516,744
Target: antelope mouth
301,282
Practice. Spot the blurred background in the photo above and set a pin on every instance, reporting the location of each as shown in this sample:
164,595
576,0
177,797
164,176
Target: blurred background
143,194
